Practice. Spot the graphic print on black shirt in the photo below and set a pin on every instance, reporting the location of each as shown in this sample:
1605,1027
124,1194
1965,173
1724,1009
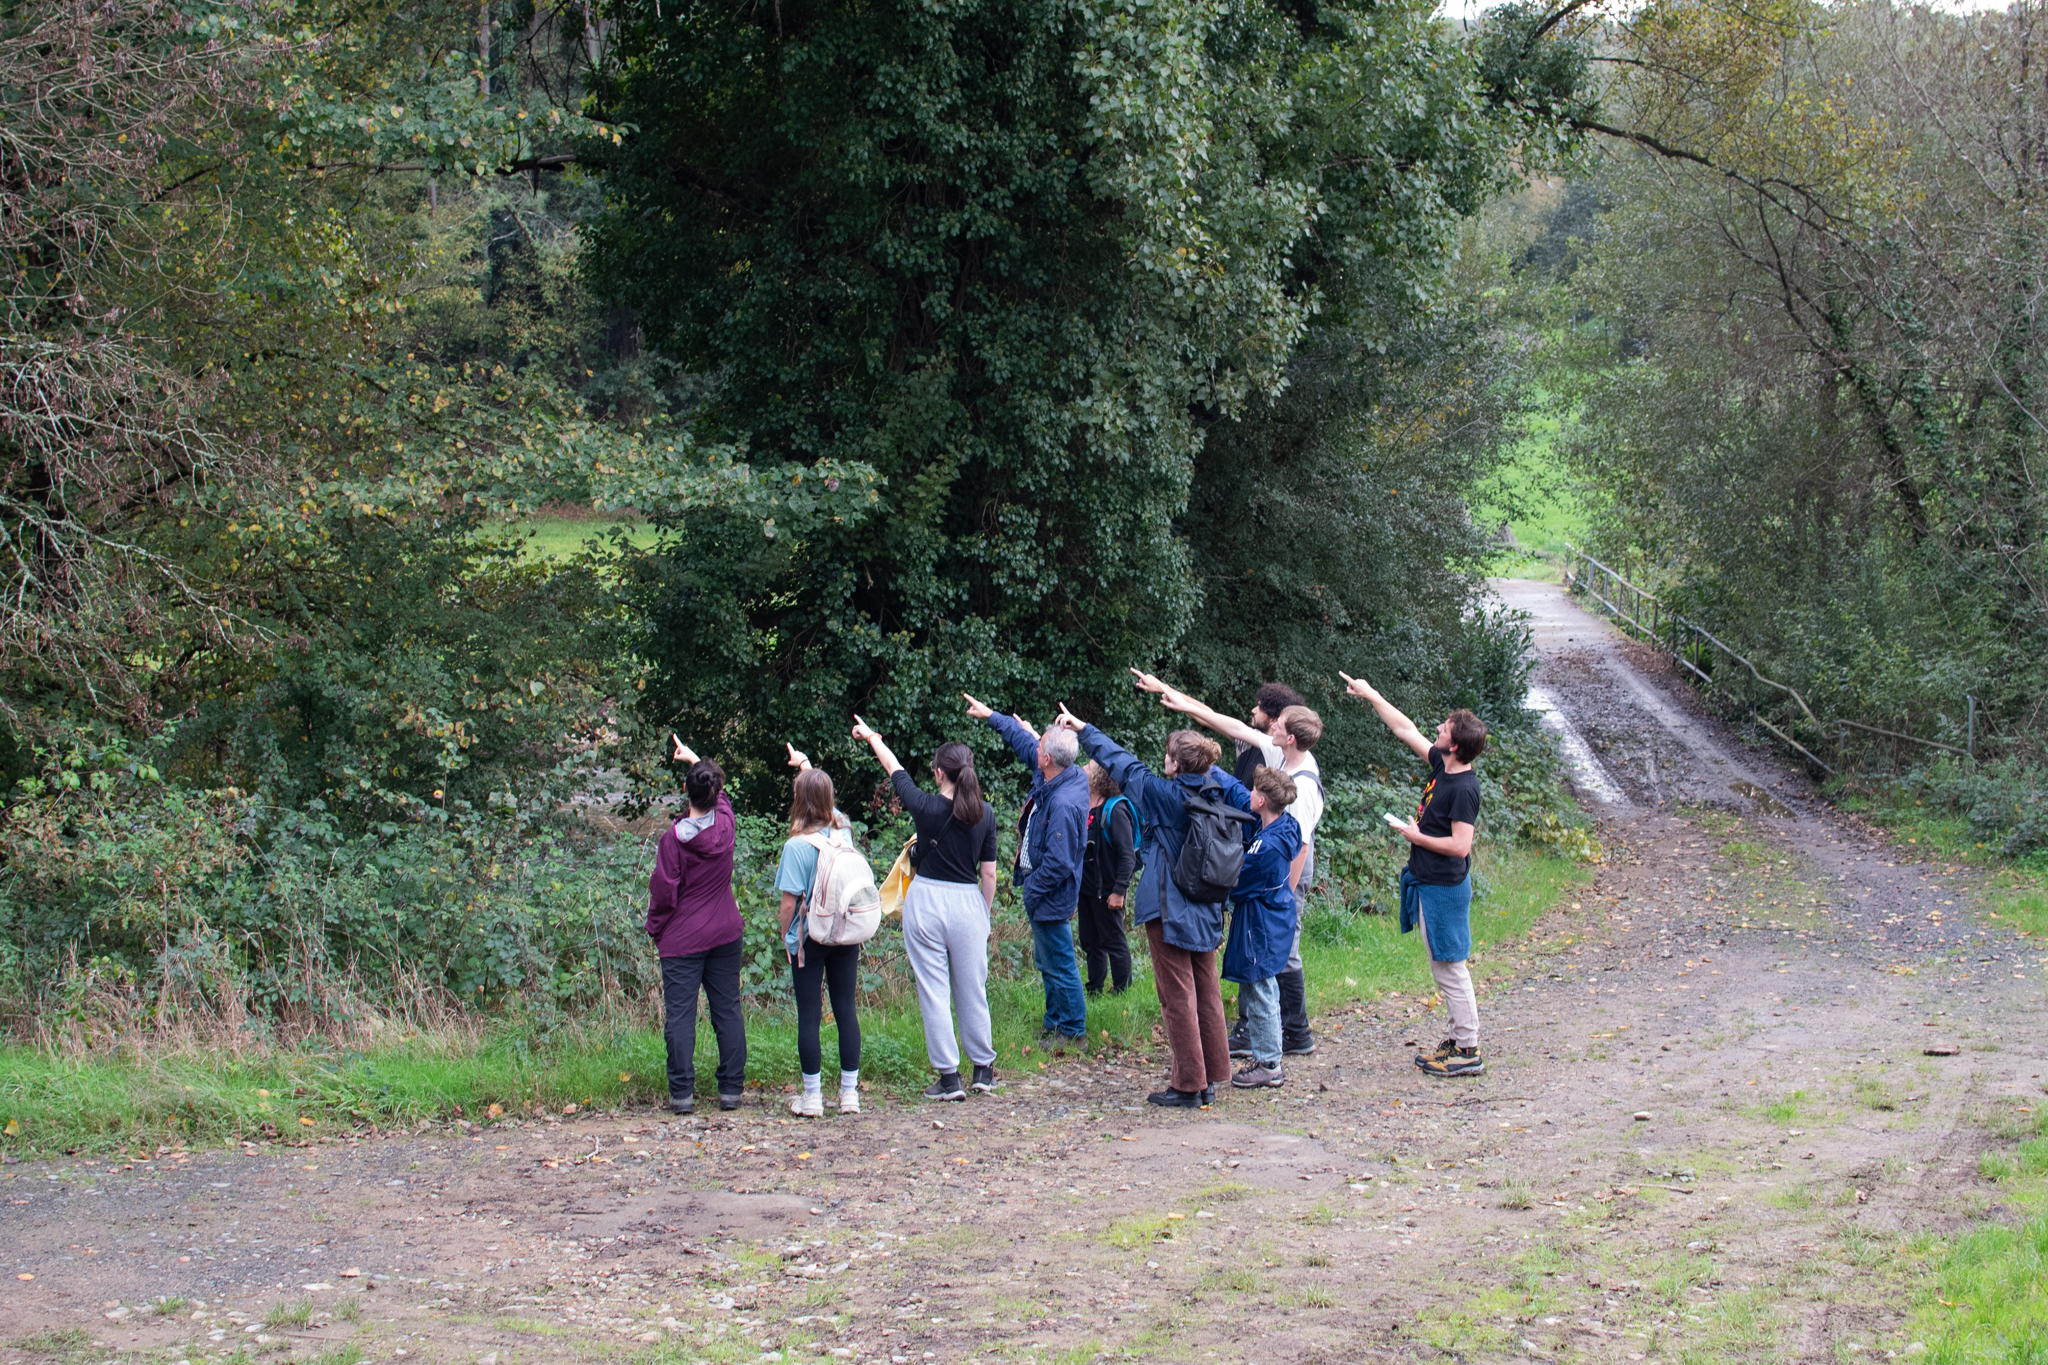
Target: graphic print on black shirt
1450,798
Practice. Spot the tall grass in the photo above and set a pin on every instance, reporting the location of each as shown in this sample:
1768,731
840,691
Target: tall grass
54,1101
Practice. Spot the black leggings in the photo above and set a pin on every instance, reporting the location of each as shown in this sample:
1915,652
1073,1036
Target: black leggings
837,969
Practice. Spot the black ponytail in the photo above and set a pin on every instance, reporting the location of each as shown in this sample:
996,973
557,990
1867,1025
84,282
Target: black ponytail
956,761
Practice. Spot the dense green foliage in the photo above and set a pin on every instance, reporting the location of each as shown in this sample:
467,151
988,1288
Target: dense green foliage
935,346
1055,272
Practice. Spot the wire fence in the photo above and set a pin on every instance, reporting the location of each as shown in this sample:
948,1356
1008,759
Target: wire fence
1728,675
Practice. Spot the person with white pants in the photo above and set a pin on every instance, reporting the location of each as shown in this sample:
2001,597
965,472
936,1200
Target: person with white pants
946,911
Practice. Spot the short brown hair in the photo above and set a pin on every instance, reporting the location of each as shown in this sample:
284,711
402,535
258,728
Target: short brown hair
1192,752
1100,783
1305,725
1468,736
1277,786
811,803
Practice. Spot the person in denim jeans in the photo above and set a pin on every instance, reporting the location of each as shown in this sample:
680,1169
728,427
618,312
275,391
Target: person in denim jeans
1048,872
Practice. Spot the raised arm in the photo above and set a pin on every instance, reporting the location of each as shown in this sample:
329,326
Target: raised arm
863,730
1174,700
1403,728
1019,736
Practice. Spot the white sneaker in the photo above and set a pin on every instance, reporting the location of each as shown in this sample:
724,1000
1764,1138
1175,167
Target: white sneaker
849,1101
806,1104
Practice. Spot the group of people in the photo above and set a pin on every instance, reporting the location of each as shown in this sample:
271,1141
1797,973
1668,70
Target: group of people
1211,863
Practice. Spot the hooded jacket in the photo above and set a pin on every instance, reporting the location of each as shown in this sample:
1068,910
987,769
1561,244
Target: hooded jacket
690,906
1193,926
1263,910
1056,832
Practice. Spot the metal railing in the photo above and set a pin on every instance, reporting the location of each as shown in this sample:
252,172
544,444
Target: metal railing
1692,645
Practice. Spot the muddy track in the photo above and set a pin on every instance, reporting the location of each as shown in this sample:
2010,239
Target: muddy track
1710,1129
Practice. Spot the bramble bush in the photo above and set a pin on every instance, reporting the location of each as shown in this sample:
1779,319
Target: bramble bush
134,910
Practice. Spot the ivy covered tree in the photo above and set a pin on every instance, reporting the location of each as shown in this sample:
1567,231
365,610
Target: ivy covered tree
1011,258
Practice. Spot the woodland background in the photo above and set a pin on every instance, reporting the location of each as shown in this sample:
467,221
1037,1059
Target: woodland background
891,350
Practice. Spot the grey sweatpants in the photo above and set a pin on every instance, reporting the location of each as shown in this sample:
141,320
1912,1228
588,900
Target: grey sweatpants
945,936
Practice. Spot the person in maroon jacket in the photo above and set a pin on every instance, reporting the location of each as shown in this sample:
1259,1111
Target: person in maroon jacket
695,924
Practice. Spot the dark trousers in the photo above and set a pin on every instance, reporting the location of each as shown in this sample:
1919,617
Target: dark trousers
837,970
1103,942
1294,1030
717,972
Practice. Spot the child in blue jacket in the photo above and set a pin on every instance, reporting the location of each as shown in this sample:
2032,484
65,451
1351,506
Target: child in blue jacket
1262,922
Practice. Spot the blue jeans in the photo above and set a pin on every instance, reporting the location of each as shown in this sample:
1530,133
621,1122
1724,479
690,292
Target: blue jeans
1052,948
1262,1018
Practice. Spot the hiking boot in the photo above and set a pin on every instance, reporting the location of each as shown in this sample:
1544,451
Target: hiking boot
1464,1061
946,1087
1301,1047
1170,1098
1208,1095
1241,1041
686,1105
806,1104
849,1101
1444,1051
985,1080
1259,1076
730,1102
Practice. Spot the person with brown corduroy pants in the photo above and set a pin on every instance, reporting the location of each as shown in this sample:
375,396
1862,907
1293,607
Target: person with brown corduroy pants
1185,935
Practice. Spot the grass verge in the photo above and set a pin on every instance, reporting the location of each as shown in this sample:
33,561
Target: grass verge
53,1104
2012,890
1989,1298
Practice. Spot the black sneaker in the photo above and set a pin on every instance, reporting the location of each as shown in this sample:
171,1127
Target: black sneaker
1443,1051
1304,1047
1465,1061
1240,1041
985,1080
686,1105
731,1101
1170,1098
1259,1076
946,1087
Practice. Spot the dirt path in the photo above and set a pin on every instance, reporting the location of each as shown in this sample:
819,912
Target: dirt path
1707,1132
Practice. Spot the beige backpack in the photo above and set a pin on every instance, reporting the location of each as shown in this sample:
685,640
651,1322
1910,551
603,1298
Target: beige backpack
844,906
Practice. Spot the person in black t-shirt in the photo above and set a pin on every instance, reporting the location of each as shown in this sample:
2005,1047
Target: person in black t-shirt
946,913
1436,886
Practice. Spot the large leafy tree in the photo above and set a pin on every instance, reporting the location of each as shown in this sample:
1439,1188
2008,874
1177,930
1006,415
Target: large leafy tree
1012,257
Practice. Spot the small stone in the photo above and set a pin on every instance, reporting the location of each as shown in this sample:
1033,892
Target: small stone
353,1272
648,1336
1642,1116
1918,1348
1939,1050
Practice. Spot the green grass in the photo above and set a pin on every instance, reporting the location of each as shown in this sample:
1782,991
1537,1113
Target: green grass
562,538
1535,495
107,1103
1988,1302
2013,890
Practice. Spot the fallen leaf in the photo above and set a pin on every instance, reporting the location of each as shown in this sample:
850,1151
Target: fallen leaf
625,1076
495,1110
13,1128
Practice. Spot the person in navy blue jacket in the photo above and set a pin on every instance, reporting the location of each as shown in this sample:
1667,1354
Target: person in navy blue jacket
1184,934
1048,872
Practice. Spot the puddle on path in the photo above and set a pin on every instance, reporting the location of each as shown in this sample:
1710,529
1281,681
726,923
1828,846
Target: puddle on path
1765,803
